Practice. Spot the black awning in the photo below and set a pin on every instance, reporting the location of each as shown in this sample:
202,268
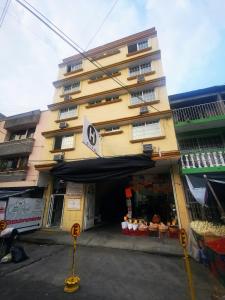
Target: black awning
101,169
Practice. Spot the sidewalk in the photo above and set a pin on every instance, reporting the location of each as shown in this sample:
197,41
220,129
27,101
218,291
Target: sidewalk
102,237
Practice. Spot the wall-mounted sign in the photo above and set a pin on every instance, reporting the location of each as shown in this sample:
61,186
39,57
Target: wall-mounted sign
91,137
74,189
74,204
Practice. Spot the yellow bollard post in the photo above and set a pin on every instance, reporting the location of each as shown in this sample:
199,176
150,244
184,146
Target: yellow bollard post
72,283
183,241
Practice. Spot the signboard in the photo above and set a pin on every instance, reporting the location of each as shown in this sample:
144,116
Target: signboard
74,189
24,213
74,204
75,230
91,137
3,225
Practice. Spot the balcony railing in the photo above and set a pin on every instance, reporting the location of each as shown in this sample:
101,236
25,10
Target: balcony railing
203,159
201,111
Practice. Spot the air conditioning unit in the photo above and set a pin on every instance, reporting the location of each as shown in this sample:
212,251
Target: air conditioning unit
63,125
143,110
58,157
67,97
147,149
140,78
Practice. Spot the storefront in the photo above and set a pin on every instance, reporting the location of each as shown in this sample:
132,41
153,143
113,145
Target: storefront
104,201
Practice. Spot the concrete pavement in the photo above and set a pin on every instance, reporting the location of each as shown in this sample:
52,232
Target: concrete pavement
105,273
109,238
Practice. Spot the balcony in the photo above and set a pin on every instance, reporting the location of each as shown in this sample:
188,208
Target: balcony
17,147
187,118
21,121
212,160
14,175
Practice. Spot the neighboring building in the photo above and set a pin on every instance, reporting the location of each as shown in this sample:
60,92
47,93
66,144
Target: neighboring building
199,119
21,145
131,112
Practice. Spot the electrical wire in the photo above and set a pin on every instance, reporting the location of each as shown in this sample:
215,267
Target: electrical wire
4,12
74,45
100,27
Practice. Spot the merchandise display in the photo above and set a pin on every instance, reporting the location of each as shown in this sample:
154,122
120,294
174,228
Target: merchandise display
208,228
211,243
154,228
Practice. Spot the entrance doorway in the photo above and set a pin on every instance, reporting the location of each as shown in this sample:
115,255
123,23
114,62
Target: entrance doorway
152,194
55,211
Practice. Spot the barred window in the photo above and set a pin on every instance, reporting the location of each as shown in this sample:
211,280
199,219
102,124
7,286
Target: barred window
68,112
64,142
145,95
140,69
147,129
74,66
72,87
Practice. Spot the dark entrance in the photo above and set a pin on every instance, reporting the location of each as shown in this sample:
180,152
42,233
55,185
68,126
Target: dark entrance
57,210
110,205
151,195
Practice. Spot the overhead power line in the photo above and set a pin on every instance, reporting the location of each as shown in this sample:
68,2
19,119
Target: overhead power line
99,28
4,12
74,45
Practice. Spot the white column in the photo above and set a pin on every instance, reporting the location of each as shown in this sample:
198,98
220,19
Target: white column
221,158
187,161
192,160
216,159
203,159
209,159
198,160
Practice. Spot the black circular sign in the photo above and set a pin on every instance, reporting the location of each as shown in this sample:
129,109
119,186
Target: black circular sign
92,136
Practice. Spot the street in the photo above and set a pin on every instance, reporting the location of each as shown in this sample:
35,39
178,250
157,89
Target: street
105,274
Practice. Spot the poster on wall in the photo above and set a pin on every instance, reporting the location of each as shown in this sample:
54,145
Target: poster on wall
24,213
74,204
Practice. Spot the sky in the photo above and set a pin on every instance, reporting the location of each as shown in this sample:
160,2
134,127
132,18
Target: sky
191,36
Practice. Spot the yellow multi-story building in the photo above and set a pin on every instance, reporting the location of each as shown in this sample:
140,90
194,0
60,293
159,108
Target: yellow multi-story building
120,88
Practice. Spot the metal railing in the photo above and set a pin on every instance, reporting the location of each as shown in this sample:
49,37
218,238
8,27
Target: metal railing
203,159
201,111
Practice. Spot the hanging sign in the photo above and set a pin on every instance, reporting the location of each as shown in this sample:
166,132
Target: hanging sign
91,137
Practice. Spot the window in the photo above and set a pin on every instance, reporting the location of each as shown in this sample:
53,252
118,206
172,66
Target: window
146,96
64,142
201,143
96,77
93,102
13,163
112,128
30,133
74,66
68,112
22,134
109,99
142,130
138,46
72,87
141,69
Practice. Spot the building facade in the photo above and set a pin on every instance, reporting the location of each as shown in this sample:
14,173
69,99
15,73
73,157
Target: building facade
200,128
120,88
21,145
